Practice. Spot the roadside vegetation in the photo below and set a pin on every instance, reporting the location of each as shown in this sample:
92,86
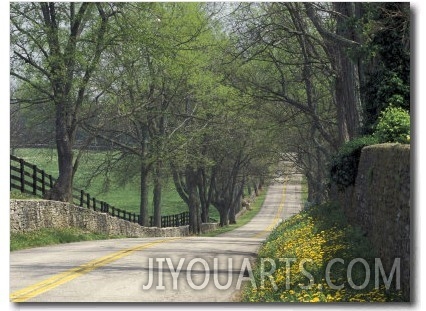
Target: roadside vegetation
317,234
123,194
305,192
243,219
50,236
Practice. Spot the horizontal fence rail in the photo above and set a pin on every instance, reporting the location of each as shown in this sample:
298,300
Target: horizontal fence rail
28,178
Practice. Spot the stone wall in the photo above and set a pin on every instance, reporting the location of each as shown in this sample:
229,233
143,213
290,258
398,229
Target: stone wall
27,215
379,203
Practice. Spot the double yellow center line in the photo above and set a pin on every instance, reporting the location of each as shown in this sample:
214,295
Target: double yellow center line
277,215
36,289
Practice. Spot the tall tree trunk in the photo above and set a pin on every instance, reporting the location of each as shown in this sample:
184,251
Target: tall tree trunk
204,210
144,171
62,189
143,208
337,46
347,79
157,194
249,189
193,200
224,215
205,189
256,189
236,202
347,98
232,212
204,201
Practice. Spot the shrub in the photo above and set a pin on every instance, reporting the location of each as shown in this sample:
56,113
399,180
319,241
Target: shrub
344,165
393,126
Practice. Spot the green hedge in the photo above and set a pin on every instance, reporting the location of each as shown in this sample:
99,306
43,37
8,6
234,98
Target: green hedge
344,165
393,126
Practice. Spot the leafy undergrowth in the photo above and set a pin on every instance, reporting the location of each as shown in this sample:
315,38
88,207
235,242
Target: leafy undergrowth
49,236
316,238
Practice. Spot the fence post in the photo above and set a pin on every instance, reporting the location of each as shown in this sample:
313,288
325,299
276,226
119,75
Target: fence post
94,204
43,181
34,179
50,181
22,174
88,200
81,198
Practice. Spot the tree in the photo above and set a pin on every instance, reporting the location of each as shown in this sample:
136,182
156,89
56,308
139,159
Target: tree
338,41
148,86
60,45
387,54
286,70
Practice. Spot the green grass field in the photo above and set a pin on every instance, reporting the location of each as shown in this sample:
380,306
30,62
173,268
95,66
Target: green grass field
123,195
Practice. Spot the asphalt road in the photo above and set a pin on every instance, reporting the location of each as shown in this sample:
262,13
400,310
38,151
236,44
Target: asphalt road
190,269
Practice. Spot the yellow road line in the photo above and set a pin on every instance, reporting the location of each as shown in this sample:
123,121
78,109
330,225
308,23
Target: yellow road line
36,289
277,215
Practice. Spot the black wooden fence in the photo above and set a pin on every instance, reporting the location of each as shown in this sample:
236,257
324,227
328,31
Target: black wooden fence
28,178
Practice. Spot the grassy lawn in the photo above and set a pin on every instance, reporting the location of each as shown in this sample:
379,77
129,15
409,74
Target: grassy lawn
44,237
317,236
304,194
121,195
